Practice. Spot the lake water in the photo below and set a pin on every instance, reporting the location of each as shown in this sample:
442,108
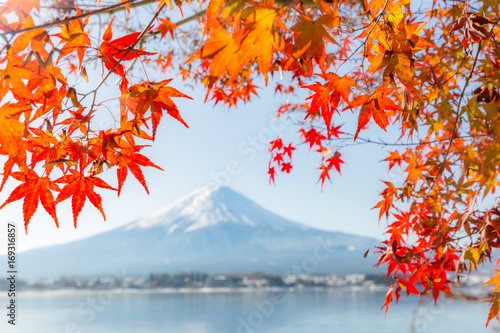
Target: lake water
260,312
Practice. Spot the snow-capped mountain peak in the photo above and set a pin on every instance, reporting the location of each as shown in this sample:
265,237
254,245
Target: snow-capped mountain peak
206,207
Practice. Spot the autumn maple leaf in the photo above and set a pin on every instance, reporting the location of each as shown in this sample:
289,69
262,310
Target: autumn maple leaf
278,158
288,150
310,36
327,97
272,174
11,135
261,39
13,76
333,161
130,159
393,290
221,48
325,173
475,28
114,51
74,38
33,189
155,97
320,102
313,137
256,41
166,26
377,105
335,131
286,167
276,144
494,301
387,202
81,188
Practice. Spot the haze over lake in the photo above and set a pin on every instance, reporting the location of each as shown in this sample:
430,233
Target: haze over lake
339,311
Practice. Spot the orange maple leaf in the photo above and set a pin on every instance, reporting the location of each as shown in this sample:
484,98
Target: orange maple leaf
155,97
129,158
114,51
327,96
80,188
13,76
377,106
310,36
74,38
261,38
32,189
166,26
221,47
11,138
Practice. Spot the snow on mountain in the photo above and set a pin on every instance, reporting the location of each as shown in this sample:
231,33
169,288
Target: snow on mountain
209,206
213,229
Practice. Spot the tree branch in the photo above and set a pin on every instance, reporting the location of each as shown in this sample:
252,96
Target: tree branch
156,32
137,3
455,124
141,35
110,10
181,22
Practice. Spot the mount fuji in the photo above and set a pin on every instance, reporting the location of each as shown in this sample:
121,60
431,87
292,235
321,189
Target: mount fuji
213,230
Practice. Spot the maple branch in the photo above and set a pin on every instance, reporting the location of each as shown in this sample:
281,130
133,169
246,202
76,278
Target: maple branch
455,124
374,22
132,4
381,142
130,48
182,22
156,32
370,32
424,142
109,9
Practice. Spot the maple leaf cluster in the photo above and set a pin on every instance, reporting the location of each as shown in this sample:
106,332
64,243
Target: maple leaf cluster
281,158
47,137
431,75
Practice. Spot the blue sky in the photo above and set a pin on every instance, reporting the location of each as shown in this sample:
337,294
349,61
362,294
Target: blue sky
221,142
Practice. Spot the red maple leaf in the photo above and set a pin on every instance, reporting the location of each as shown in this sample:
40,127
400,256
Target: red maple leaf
286,167
32,189
278,158
271,173
377,105
131,159
327,97
80,188
276,144
313,137
333,161
335,131
155,97
114,51
288,150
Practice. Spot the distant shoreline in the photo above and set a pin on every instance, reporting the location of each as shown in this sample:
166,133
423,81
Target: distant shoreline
204,290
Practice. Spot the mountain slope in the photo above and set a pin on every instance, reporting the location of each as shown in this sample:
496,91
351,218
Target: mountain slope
211,230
